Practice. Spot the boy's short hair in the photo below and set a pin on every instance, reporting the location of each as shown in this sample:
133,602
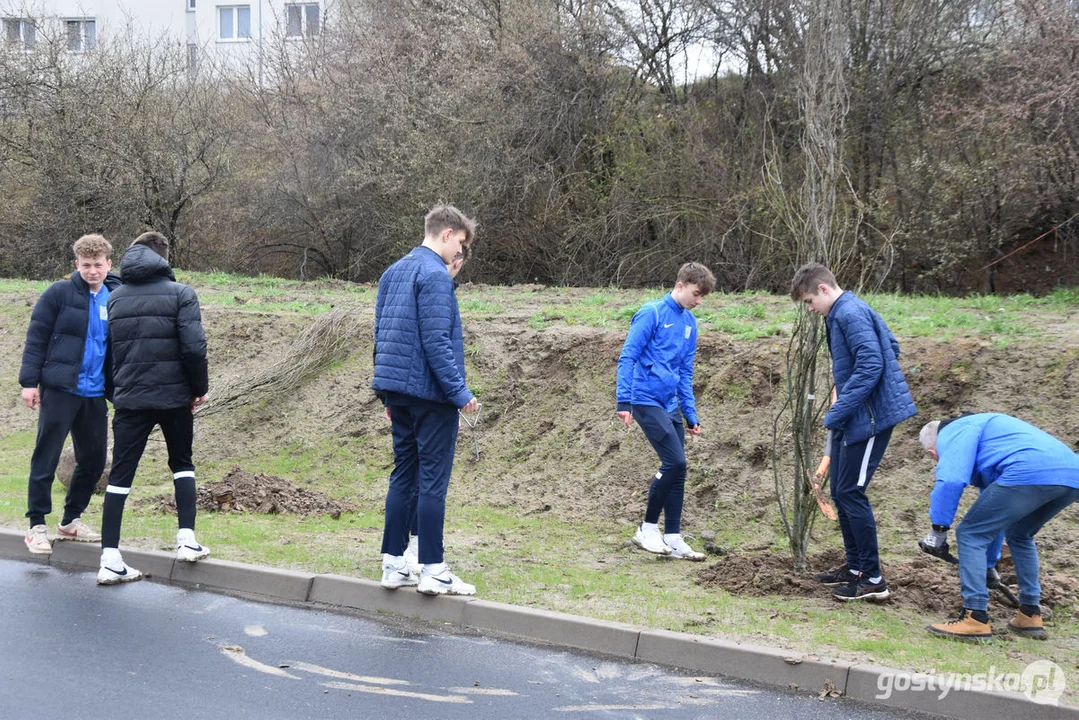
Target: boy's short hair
808,277
89,246
443,217
155,241
699,275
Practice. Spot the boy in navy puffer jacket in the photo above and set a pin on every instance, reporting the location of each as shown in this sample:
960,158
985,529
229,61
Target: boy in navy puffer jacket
872,398
419,373
64,375
655,388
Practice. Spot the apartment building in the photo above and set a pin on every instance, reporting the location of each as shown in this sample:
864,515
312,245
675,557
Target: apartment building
228,29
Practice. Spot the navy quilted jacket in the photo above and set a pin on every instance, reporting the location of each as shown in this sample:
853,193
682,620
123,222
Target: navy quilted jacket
419,349
873,394
56,336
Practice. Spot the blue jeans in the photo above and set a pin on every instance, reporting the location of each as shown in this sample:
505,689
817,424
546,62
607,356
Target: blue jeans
1020,511
667,434
424,440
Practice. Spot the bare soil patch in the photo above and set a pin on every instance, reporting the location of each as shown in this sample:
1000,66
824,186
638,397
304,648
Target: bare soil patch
241,491
922,584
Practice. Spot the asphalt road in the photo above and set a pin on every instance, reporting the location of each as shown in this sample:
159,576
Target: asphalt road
69,648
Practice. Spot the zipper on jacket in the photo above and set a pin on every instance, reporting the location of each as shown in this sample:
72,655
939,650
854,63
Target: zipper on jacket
872,420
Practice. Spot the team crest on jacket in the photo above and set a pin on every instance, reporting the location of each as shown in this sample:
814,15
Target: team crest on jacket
688,331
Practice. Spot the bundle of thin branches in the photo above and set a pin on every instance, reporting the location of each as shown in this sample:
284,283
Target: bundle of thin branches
326,341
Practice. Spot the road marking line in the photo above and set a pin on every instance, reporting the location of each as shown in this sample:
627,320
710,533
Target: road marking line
239,655
481,691
607,708
398,693
319,670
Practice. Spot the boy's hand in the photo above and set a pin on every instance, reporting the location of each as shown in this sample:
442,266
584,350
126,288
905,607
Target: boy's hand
199,401
31,398
627,417
472,406
694,429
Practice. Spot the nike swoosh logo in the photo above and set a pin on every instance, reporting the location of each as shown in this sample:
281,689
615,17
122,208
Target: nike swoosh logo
118,572
404,574
667,325
196,548
445,582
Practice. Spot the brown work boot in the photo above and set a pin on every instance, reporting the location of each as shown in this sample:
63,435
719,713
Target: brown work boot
965,628
1028,625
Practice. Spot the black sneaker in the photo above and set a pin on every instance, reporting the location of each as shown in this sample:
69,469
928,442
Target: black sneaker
861,589
839,576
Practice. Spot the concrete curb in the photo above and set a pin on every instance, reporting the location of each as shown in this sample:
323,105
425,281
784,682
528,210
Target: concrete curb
735,659
690,652
555,628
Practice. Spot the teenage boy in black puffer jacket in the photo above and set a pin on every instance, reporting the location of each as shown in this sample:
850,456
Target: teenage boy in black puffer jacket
64,375
160,377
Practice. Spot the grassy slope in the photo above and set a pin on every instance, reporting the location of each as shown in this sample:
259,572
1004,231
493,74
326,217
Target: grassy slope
542,518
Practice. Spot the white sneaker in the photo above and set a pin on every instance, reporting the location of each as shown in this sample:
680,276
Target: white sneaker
444,583
78,531
397,574
651,541
188,549
37,540
412,555
680,550
118,573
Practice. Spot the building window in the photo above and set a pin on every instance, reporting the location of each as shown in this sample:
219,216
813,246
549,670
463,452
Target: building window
19,33
234,23
301,19
190,4
81,34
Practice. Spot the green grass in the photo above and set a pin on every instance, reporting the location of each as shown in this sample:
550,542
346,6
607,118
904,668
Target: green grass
536,560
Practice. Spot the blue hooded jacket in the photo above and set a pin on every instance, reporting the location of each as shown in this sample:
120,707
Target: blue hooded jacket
981,449
872,392
656,364
419,348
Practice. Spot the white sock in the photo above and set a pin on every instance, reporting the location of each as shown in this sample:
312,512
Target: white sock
111,557
414,544
853,572
435,568
186,536
649,527
876,580
671,537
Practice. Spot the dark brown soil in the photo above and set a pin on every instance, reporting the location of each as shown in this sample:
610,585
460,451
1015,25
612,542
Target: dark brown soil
922,584
240,491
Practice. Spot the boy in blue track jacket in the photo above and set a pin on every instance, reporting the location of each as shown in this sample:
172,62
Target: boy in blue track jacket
655,388
1026,476
871,398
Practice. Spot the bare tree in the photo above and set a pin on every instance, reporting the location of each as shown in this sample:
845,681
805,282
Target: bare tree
820,231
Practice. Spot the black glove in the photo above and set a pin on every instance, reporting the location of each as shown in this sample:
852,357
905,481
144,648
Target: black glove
992,579
940,550
936,544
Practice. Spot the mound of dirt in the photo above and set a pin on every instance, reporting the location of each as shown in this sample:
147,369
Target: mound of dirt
922,584
240,491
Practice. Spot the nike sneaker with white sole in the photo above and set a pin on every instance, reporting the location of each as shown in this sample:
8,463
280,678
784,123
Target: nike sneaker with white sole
443,583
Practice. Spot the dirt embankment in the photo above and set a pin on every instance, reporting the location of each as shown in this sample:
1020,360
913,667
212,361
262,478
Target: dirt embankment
549,441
